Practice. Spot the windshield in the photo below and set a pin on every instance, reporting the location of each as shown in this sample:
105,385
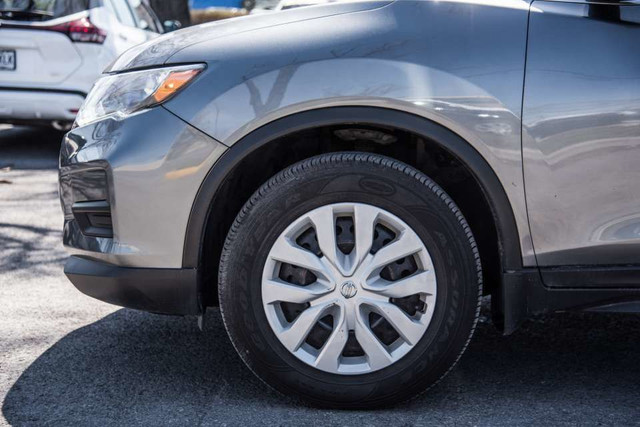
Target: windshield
42,10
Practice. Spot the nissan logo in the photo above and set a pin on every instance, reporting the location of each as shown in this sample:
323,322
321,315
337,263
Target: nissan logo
348,289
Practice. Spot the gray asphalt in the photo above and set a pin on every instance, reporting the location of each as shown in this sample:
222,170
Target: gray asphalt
66,359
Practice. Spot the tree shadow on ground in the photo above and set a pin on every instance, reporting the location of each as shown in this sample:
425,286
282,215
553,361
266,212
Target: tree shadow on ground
137,368
29,249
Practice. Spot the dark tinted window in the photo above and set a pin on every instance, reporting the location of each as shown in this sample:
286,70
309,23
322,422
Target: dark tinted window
42,10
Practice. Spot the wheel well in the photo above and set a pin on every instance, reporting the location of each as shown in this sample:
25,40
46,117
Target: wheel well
422,153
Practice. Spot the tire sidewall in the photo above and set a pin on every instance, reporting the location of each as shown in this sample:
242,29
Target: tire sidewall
388,185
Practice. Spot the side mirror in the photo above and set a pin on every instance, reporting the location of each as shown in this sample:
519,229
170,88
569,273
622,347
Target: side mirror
144,25
171,25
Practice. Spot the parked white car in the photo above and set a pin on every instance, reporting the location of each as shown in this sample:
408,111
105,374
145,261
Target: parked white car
52,51
262,6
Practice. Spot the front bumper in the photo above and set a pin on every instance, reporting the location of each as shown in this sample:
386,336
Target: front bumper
168,291
127,187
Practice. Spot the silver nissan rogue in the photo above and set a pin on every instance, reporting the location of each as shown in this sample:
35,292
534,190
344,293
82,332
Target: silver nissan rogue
346,181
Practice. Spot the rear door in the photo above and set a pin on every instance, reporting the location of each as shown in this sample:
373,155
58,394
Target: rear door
145,18
132,29
126,31
581,133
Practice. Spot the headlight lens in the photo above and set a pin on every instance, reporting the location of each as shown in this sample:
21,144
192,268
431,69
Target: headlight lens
122,94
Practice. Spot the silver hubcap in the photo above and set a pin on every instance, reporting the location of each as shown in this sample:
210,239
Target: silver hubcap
349,288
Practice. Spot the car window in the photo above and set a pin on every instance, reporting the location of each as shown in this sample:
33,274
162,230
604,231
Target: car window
123,12
144,18
154,16
44,9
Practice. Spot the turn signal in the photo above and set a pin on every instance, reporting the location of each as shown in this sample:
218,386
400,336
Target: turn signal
173,83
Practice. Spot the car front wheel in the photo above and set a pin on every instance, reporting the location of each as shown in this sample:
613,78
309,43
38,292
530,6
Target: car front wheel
350,280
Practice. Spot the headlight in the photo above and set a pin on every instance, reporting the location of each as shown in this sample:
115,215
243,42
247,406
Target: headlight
122,94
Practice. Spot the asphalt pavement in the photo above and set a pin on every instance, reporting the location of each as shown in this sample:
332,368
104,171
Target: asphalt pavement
66,359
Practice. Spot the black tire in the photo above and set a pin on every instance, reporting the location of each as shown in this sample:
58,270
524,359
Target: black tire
362,178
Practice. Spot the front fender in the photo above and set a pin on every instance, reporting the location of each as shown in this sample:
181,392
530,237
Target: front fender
461,149
457,64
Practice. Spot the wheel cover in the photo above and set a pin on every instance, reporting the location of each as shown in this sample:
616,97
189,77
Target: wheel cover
349,288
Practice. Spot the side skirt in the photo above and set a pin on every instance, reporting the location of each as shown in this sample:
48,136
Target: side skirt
531,291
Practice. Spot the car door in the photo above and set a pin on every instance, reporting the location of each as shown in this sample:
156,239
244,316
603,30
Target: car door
581,133
145,18
127,32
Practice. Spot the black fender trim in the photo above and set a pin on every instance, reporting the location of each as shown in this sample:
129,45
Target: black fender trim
589,288
166,291
509,242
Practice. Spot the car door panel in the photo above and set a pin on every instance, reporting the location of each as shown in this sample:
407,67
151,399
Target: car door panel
128,34
581,133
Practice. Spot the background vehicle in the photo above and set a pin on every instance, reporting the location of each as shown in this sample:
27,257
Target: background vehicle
291,4
53,50
348,180
262,6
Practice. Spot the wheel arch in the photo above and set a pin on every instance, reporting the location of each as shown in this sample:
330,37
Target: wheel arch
510,257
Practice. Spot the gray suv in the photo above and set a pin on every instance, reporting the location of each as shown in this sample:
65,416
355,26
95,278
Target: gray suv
347,181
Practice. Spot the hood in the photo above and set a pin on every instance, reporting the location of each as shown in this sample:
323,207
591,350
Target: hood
159,50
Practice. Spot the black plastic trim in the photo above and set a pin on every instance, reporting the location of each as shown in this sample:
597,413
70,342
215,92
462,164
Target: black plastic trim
154,67
508,234
523,294
166,291
94,218
592,277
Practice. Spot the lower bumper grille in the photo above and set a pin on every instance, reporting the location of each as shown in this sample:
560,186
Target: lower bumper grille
94,218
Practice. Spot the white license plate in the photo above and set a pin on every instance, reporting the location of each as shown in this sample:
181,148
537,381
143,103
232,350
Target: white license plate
7,60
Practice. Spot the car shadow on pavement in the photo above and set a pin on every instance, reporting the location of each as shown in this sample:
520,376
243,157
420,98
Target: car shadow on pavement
137,368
